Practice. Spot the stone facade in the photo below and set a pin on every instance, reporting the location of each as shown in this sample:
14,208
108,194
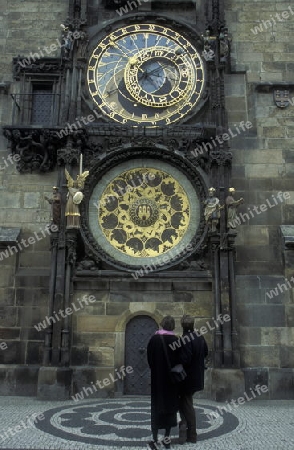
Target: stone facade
262,168
261,62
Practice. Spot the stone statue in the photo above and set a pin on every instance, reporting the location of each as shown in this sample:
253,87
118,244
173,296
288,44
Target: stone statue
209,46
74,198
82,44
55,203
67,42
224,42
212,210
232,206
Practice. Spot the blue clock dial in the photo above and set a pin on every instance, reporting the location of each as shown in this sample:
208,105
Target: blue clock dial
146,74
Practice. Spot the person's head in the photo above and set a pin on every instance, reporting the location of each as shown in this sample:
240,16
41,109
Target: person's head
187,323
168,323
211,192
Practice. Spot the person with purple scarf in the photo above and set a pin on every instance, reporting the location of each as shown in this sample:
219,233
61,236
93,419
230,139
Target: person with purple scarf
164,394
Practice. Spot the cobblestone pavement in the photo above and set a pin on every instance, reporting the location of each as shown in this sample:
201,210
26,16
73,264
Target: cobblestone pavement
106,424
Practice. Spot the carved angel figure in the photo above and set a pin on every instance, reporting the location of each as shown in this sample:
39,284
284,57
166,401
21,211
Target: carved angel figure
74,198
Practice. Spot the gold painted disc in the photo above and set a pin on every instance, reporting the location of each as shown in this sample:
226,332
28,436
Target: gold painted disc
144,212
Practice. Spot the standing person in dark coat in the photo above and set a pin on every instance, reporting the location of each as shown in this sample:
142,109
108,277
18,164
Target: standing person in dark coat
194,350
164,394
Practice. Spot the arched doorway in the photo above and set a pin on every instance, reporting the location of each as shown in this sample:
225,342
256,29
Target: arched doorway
138,333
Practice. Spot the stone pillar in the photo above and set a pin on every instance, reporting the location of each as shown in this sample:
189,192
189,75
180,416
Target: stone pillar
218,334
54,383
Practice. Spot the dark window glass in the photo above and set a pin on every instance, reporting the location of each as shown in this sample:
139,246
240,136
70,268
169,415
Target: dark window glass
42,105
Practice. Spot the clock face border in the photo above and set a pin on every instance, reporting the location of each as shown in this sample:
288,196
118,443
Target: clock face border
114,97
104,172
138,239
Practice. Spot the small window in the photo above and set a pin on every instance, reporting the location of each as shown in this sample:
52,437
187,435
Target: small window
42,103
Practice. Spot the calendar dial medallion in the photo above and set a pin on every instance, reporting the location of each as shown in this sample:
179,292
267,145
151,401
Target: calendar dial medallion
143,211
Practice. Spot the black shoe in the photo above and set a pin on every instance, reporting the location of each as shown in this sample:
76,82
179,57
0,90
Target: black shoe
154,445
182,434
166,442
192,440
182,440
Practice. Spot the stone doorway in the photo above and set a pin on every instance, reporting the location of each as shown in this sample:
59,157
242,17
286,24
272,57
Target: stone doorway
138,333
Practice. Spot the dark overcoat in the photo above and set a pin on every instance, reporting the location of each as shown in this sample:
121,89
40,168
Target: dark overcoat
164,394
194,351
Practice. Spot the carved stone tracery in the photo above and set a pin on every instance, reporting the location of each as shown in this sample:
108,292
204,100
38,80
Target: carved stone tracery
24,65
37,148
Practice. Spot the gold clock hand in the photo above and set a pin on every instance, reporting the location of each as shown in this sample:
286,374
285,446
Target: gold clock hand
116,45
178,53
158,68
111,92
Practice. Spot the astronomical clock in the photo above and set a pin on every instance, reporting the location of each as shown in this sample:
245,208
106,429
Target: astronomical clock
145,207
146,74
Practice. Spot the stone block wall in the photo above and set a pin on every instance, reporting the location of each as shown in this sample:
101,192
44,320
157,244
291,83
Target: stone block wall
263,167
96,328
25,27
262,154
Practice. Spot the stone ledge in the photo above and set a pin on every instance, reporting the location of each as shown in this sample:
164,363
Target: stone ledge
4,87
227,384
18,380
117,275
287,236
59,383
54,383
266,86
8,236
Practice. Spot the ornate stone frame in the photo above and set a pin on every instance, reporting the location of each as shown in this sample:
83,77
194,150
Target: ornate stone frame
190,33
105,164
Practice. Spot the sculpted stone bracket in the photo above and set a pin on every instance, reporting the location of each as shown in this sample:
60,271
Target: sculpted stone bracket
280,90
227,242
287,248
4,87
71,247
41,149
36,147
287,237
8,236
221,158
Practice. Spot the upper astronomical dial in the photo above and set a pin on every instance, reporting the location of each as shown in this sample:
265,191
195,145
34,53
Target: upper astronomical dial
146,74
158,77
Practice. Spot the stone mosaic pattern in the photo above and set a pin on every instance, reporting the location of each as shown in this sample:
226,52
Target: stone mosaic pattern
124,423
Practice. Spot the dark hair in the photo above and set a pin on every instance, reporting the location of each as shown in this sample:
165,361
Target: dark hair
168,323
187,323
